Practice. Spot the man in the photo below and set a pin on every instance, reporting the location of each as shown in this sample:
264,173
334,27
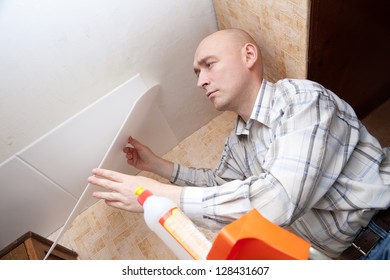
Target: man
298,154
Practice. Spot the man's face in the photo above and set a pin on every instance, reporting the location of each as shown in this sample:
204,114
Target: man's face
219,65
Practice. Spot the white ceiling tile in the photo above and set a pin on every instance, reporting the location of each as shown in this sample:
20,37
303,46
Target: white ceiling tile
29,202
68,153
144,122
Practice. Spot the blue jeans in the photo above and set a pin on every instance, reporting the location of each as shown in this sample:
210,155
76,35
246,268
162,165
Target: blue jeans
381,250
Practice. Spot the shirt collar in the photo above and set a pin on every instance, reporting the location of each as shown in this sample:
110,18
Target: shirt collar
261,110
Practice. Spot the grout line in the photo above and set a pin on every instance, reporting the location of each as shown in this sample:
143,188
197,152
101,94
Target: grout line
45,176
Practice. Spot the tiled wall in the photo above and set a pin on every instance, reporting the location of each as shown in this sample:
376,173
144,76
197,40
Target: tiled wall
279,27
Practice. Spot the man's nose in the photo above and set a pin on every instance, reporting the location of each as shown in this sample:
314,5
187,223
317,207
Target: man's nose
202,80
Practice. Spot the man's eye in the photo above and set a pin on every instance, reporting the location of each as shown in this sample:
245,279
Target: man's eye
210,64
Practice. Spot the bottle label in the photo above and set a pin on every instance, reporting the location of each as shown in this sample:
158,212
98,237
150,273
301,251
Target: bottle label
185,232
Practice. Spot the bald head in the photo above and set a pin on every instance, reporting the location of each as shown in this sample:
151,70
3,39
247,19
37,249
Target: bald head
232,38
236,36
229,68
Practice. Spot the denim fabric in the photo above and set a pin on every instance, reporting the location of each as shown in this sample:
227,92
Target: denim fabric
382,249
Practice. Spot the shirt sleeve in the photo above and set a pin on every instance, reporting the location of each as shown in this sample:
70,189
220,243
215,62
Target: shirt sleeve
311,144
228,169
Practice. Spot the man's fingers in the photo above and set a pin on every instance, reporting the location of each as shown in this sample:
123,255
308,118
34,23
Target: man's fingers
106,184
135,143
108,174
108,196
107,179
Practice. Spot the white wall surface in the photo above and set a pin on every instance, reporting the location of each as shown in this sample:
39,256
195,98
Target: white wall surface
57,57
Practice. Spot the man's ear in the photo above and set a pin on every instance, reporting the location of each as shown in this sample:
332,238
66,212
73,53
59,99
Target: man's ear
250,54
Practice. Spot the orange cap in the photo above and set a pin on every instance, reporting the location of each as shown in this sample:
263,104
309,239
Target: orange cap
142,195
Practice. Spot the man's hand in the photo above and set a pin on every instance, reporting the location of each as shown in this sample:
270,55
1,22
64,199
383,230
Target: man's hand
142,158
121,189
139,155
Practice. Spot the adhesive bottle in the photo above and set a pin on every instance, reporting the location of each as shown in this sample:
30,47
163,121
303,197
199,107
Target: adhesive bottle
174,228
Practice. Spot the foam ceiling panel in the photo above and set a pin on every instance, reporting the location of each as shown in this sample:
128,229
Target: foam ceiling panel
68,153
144,122
44,186
29,201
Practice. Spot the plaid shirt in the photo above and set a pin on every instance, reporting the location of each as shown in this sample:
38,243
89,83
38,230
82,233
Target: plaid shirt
303,160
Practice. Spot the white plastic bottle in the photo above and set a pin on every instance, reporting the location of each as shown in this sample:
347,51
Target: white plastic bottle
174,228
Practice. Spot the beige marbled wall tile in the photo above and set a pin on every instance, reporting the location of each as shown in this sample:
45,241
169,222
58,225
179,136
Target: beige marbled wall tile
279,27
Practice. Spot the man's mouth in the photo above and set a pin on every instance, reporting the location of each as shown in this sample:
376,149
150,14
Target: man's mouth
210,93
